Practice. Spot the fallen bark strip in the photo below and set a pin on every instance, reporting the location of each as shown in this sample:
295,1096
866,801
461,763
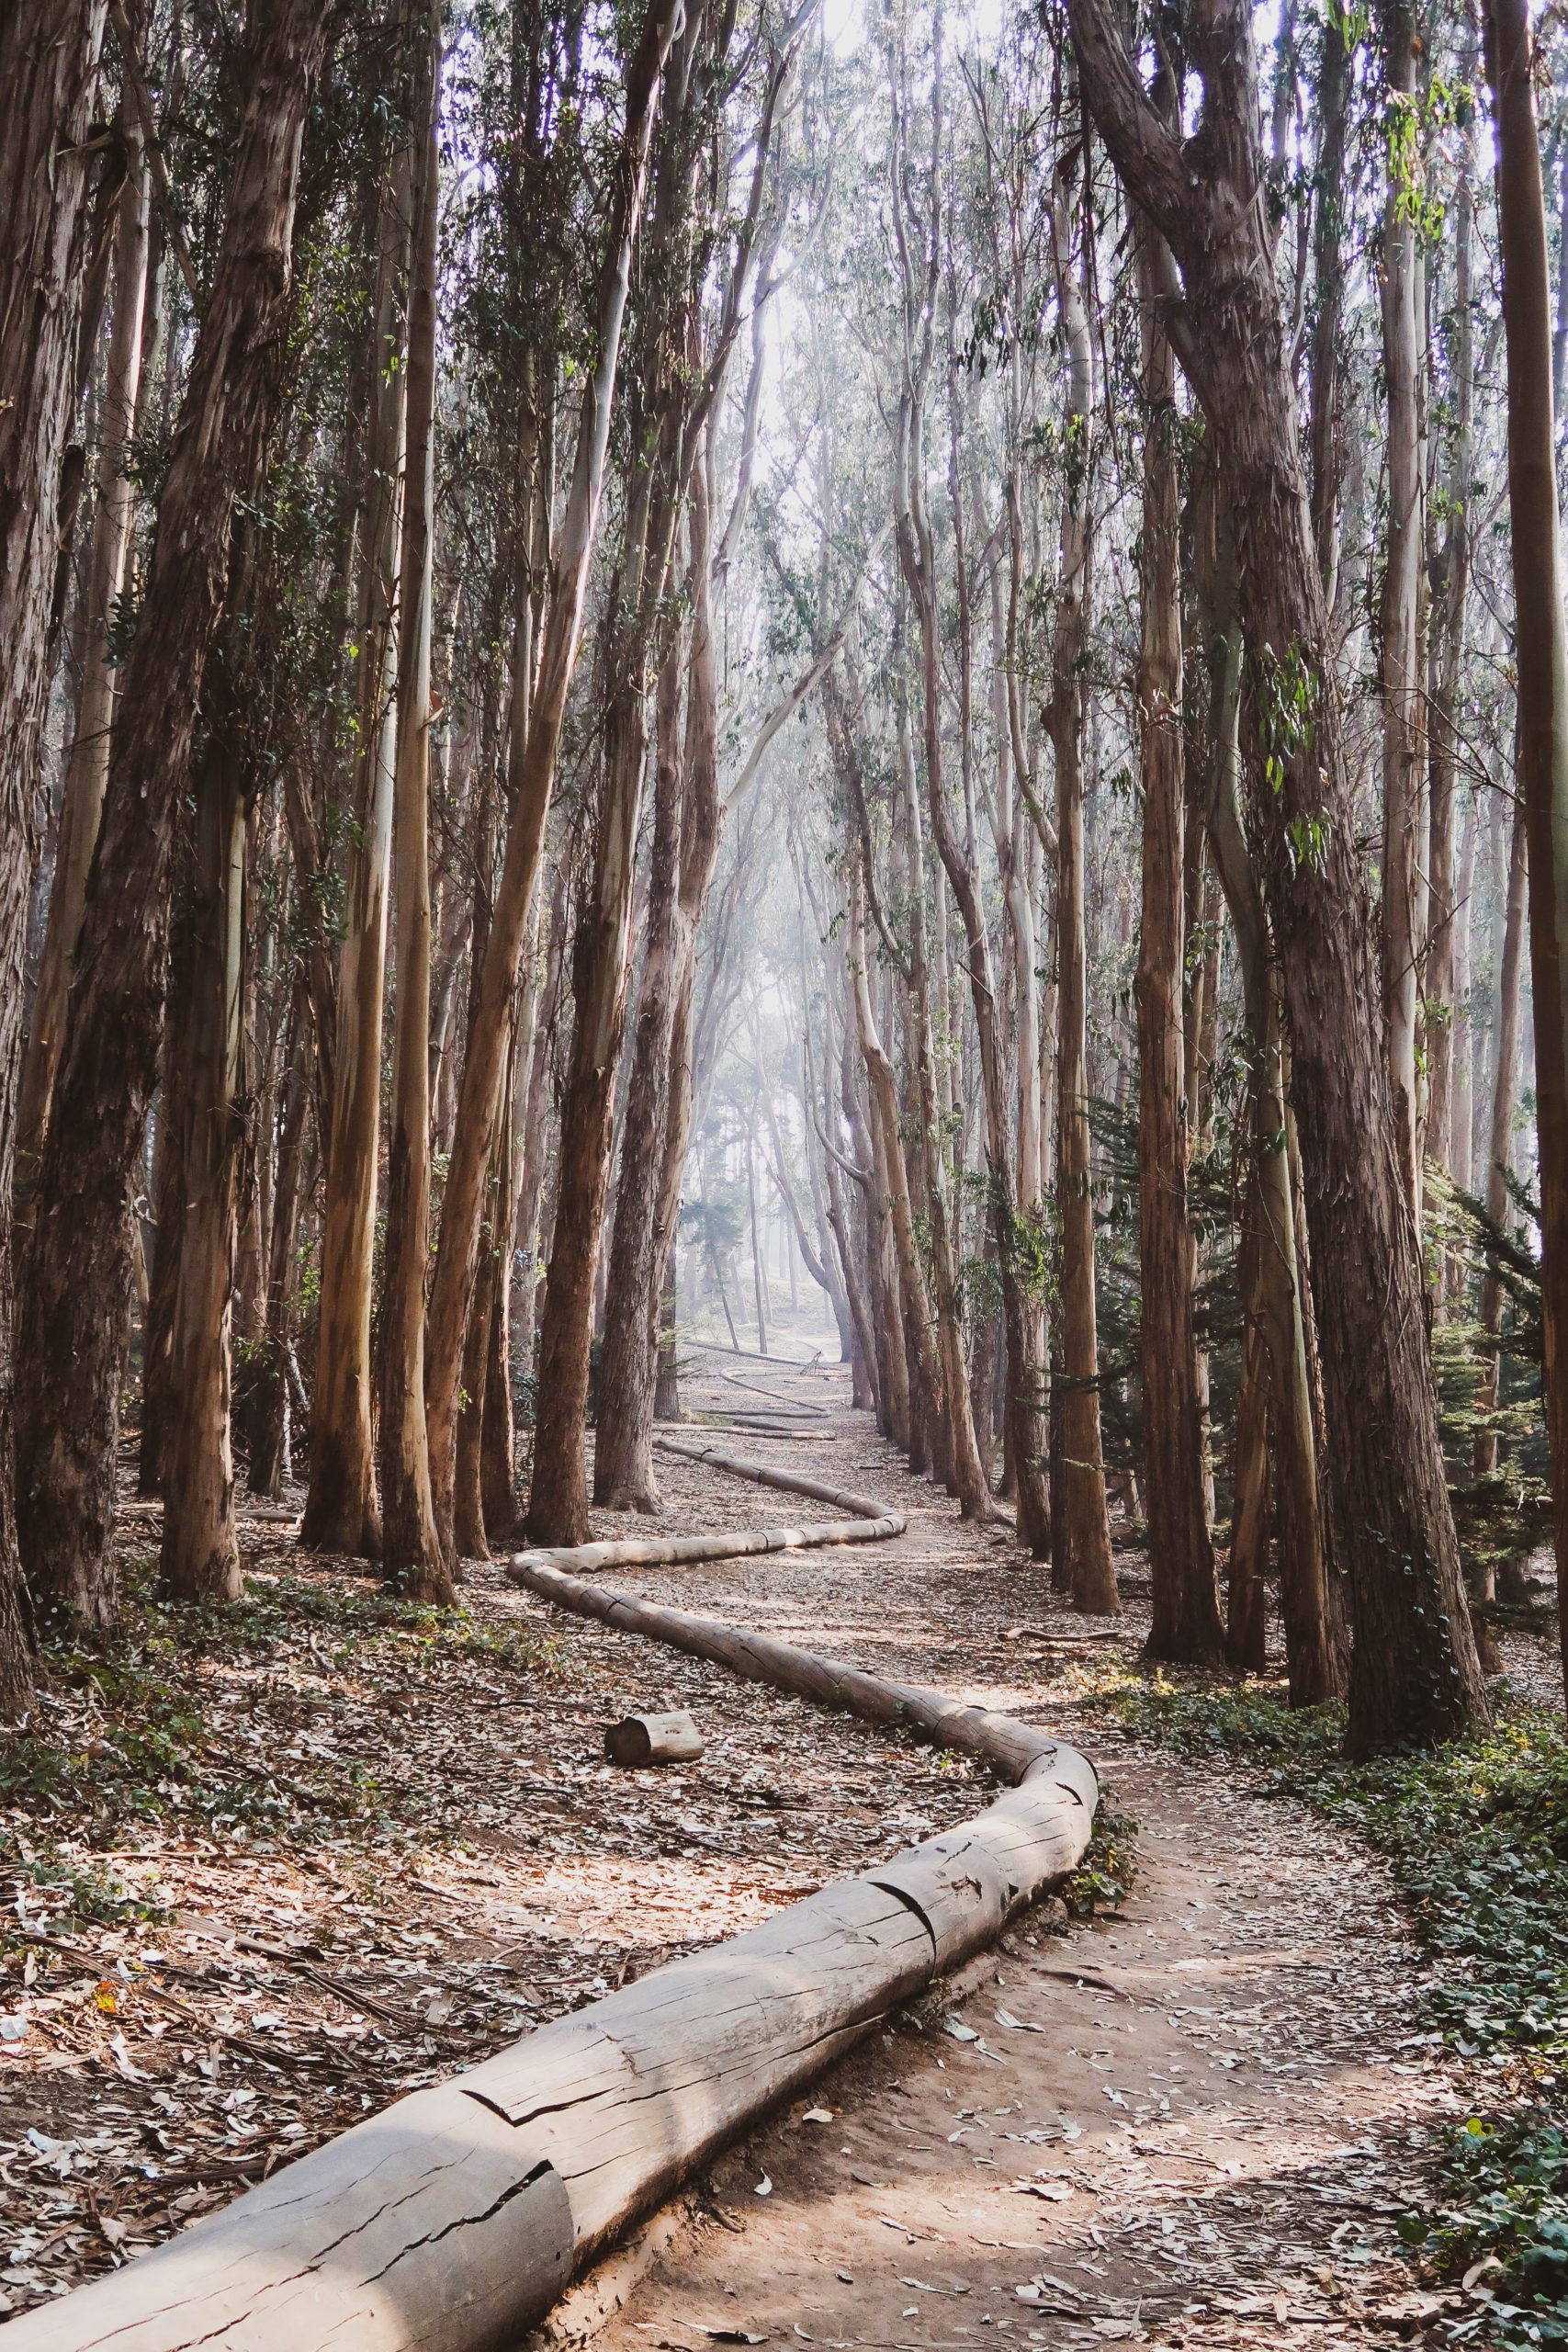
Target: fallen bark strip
458,2216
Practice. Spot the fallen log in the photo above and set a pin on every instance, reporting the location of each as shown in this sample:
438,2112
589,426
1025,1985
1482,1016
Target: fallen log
870,1525
752,1355
750,1425
735,1543
458,2217
804,1407
762,1473
672,1739
1001,1741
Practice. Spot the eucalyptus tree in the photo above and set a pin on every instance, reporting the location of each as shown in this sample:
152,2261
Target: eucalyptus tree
1081,1531
114,515
49,90
542,712
412,1553
1542,675
687,816
1185,1616
77,1299
1416,1673
668,406
1404,298
341,1512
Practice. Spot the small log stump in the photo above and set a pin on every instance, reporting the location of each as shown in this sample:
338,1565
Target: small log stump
654,1739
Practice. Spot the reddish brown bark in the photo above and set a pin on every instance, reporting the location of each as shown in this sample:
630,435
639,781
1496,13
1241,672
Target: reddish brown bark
1080,1524
1543,683
77,1302
199,1557
414,1555
623,1450
342,1504
479,1105
49,57
1415,1675
1186,1611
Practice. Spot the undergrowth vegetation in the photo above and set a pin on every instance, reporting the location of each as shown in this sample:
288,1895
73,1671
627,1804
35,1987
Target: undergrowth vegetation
1106,1876
1477,1835
261,1721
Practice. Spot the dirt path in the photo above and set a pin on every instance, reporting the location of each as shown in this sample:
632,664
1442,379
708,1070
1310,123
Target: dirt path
1197,2121
265,1870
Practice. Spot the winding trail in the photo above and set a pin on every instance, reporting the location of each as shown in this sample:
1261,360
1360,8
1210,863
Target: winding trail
453,2218
1196,2122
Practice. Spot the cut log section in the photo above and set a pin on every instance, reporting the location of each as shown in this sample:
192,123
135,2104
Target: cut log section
456,2218
654,1739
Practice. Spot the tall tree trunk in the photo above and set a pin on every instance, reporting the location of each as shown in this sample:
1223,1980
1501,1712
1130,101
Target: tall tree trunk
557,1504
1025,1381
469,1541
1273,1291
1081,1529
623,1452
479,1103
498,1451
77,1301
1543,685
1500,1156
342,1508
1453,583
967,1470
881,1271
759,1279
1416,1676
1404,328
1019,832
1329,316
841,1205
171,1127
1186,1609
702,818
200,1557
824,1262
914,1335
536,1140
558,1507
272,1404
1462,1087
411,1551
1246,1633
49,57
86,771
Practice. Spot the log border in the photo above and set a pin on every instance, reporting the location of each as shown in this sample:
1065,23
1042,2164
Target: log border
458,2217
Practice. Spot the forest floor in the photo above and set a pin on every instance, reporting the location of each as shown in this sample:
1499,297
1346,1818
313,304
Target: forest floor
270,1867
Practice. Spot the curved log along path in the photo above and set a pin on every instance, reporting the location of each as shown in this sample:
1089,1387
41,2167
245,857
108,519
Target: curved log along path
1195,2123
458,2216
